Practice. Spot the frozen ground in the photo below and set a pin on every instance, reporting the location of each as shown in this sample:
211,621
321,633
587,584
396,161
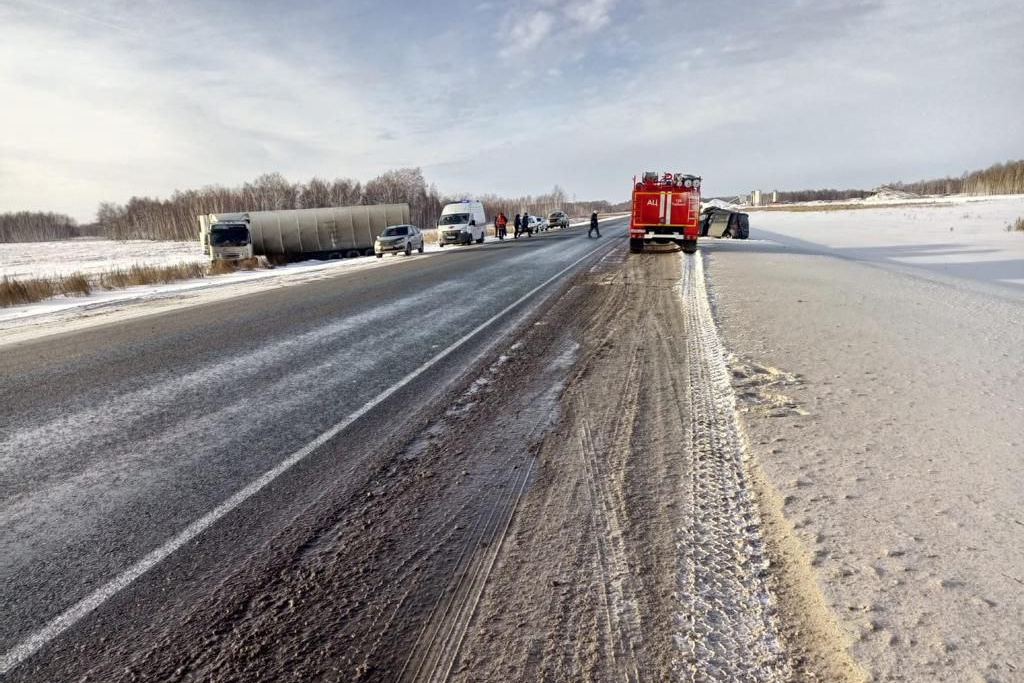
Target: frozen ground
877,362
962,237
88,255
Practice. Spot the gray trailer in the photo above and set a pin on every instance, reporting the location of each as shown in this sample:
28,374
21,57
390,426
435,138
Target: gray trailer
301,233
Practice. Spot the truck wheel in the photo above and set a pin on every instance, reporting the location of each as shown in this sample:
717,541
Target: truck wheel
636,245
689,246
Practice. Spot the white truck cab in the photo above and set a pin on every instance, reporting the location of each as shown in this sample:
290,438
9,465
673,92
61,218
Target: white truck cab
461,223
226,236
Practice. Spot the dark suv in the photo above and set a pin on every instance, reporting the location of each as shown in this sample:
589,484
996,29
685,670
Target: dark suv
558,219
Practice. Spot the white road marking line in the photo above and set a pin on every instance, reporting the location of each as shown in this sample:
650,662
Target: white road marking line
27,647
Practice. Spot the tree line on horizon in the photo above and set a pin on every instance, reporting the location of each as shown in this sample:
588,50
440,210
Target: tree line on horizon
999,178
36,226
174,218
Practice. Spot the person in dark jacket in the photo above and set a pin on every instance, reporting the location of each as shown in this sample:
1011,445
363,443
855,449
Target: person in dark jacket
516,225
593,225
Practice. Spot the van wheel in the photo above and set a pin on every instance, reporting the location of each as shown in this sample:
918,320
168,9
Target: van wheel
421,248
380,255
481,240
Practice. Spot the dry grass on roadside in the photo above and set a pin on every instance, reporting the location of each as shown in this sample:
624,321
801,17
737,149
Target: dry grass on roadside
132,276
1017,225
16,292
20,291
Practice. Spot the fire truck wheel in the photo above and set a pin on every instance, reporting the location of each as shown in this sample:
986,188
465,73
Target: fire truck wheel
636,245
689,246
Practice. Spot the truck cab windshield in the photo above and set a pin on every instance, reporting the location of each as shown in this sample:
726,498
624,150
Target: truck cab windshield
229,236
454,219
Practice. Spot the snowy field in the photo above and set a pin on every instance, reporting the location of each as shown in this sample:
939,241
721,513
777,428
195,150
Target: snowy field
960,237
88,255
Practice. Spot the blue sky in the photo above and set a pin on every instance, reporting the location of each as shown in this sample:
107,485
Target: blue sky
105,99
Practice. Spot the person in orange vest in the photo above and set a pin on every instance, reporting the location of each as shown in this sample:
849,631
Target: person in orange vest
499,226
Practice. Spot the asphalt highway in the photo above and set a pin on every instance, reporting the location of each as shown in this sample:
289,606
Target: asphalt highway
141,459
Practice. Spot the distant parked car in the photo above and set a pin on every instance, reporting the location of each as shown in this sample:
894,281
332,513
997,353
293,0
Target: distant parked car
537,224
558,219
398,238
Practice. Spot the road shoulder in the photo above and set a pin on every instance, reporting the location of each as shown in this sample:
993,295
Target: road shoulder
878,407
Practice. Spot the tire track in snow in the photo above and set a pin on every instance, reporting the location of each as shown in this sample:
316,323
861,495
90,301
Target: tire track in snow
727,625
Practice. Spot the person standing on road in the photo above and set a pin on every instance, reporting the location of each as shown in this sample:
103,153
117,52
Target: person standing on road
499,225
593,225
516,226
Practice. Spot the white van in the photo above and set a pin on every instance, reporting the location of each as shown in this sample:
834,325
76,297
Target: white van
461,223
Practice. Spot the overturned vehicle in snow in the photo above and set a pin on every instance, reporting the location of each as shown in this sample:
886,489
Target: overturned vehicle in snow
719,222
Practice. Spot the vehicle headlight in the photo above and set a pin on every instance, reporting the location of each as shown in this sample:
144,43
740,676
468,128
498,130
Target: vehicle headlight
687,183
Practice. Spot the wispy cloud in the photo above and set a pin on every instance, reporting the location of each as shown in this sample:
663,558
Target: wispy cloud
589,15
525,34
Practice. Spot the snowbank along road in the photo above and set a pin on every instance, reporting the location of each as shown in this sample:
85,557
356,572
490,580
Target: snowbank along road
882,398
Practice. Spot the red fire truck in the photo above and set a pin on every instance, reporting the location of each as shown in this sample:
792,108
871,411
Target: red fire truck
666,209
